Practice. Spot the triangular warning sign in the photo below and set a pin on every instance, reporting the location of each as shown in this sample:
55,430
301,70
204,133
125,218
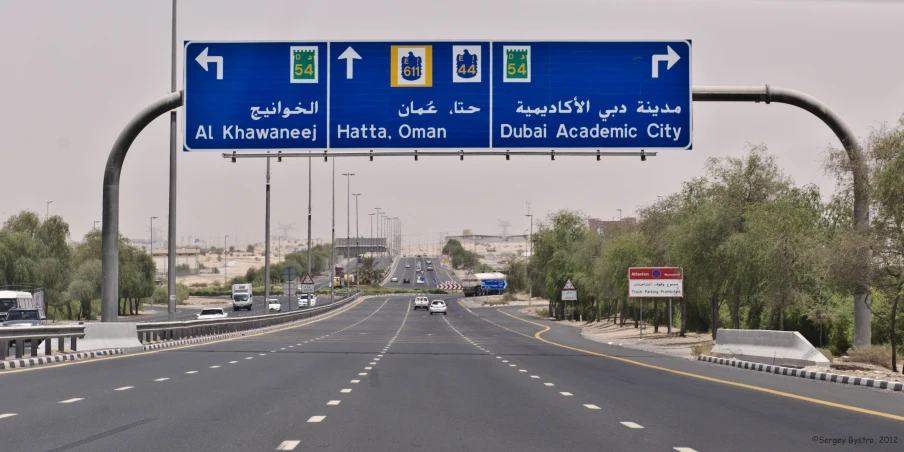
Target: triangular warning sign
569,285
307,280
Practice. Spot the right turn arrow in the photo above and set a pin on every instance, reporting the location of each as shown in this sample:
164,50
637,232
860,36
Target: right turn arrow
671,57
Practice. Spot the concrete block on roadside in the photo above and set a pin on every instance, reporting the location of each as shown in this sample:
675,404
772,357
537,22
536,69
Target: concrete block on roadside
781,348
113,335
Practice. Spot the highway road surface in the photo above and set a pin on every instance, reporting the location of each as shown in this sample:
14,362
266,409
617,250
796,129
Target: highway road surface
377,376
440,273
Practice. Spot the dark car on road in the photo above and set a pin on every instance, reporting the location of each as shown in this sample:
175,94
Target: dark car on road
406,281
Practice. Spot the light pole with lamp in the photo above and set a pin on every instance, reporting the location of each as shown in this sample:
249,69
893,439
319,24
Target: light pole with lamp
530,239
47,214
348,219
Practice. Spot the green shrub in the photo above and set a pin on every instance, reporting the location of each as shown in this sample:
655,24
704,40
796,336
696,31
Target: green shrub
543,312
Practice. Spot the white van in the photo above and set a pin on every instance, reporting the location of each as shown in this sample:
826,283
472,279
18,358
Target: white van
11,299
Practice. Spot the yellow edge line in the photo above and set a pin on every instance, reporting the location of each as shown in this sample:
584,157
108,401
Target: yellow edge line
149,352
701,377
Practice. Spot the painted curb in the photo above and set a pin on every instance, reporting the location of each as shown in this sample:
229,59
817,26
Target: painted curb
808,374
30,362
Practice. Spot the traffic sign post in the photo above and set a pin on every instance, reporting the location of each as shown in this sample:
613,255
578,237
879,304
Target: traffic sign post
307,284
243,96
655,282
569,293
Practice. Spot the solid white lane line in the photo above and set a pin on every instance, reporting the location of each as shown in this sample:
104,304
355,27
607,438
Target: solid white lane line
591,406
288,445
316,418
684,449
631,425
124,388
192,372
566,394
346,390
232,362
162,379
71,400
4,415
333,402
214,367
548,384
356,381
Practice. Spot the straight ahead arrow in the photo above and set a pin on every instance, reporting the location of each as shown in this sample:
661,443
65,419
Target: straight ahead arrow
349,56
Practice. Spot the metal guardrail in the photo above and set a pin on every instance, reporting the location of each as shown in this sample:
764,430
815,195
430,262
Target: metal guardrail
150,332
35,335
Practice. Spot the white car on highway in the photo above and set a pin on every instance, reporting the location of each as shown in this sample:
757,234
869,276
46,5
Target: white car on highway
421,302
273,304
438,307
305,300
212,313
407,265
394,279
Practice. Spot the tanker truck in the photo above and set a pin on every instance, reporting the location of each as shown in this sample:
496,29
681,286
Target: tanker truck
471,284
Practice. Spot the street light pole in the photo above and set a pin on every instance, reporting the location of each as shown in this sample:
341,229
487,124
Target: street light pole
348,221
371,215
309,213
357,240
619,213
530,239
225,261
151,245
333,239
47,215
95,224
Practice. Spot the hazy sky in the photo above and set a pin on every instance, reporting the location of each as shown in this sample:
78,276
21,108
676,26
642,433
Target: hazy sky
74,72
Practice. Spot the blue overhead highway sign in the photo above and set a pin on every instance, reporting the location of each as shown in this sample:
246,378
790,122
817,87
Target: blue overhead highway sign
624,95
450,94
409,95
255,95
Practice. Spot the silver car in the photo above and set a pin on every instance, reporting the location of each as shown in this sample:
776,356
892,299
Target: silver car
22,317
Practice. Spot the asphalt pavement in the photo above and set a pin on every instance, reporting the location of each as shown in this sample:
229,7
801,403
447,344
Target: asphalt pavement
439,272
377,376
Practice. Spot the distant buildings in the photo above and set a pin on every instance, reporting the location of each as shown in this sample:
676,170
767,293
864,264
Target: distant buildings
602,227
184,256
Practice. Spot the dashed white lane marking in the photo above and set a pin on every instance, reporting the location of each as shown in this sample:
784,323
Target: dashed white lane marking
498,357
505,360
71,400
548,384
214,367
684,449
333,402
368,368
522,370
124,388
192,372
535,376
346,390
512,365
373,363
261,354
232,362
591,406
316,418
5,415
282,348
566,394
291,346
250,357
162,379
288,445
356,381
362,374
380,356
631,425
271,351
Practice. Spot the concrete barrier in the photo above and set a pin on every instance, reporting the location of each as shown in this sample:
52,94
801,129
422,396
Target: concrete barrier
782,348
104,336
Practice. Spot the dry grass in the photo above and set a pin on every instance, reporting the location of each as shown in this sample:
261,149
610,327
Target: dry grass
496,303
879,355
703,348
543,312
827,352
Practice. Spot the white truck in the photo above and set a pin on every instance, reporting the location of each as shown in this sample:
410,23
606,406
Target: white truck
241,296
